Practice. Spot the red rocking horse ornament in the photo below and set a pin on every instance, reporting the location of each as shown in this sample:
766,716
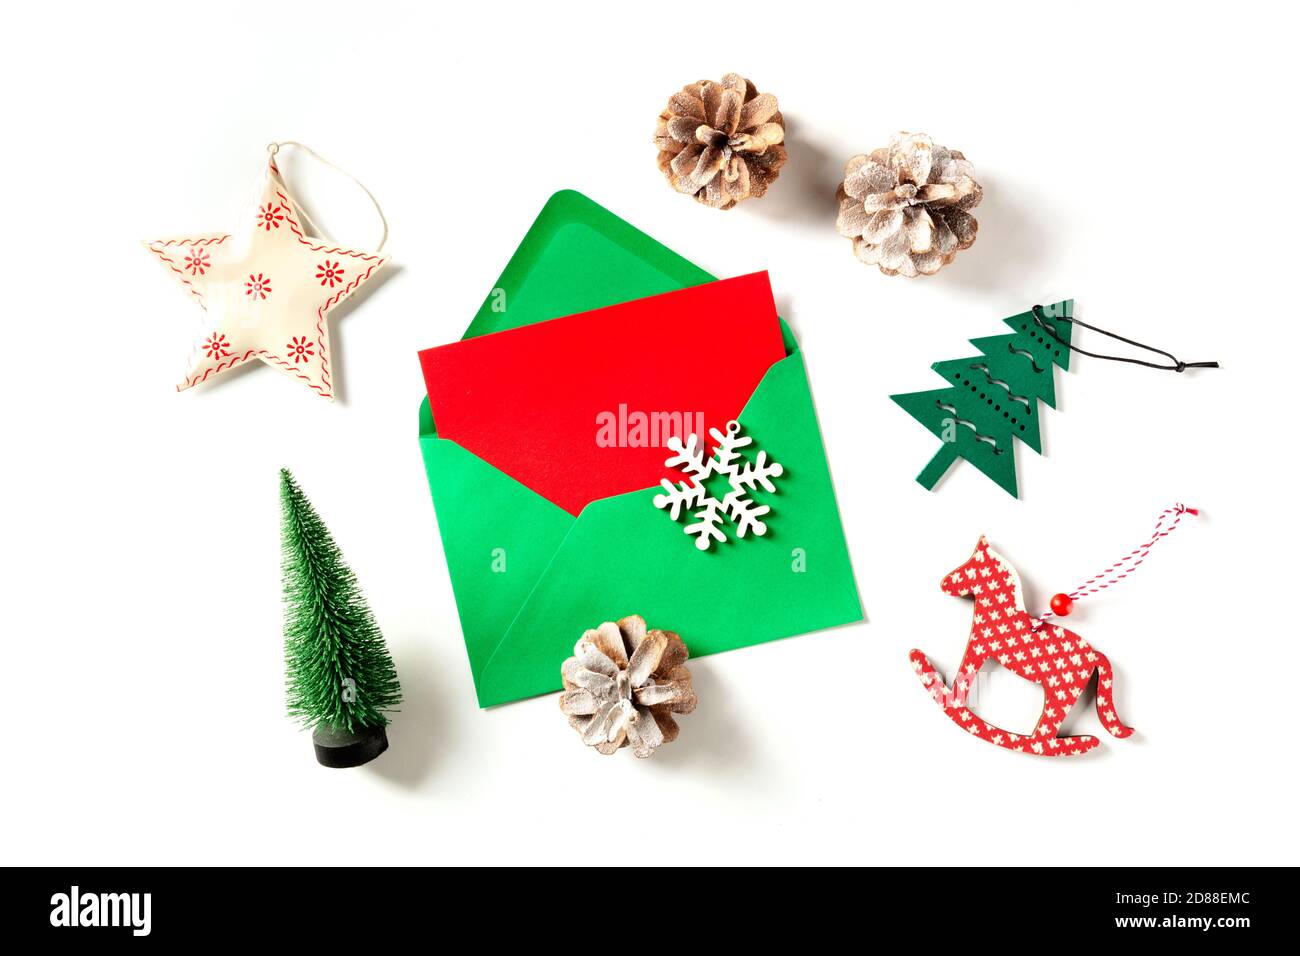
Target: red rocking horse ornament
1049,655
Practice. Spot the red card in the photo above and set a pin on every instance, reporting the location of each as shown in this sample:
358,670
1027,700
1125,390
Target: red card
580,408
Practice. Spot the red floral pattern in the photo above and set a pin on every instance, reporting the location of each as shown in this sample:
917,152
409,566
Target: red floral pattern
258,286
217,346
329,273
270,217
300,350
197,262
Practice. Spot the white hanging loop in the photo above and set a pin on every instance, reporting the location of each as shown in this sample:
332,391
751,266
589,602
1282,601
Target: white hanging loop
273,148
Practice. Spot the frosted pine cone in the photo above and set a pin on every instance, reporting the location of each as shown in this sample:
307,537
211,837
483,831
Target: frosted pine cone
905,206
623,685
721,142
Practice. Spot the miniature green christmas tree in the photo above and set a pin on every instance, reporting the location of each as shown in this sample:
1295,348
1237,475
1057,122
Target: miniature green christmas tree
339,676
994,397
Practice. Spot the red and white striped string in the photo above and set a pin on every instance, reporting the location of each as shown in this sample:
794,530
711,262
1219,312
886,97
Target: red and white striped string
1130,562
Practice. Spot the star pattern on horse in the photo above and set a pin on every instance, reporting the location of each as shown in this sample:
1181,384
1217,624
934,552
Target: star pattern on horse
1057,659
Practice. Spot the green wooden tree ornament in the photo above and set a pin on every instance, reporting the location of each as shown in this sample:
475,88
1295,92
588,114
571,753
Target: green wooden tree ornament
993,397
339,676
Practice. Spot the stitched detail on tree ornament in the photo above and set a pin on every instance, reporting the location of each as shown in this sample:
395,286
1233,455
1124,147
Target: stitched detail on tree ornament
952,410
1028,355
1007,388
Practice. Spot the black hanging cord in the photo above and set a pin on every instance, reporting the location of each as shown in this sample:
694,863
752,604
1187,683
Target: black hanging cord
1177,366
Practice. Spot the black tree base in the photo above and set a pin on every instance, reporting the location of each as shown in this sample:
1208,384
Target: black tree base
338,748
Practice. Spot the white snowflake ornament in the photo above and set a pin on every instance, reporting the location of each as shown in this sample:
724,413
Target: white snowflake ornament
693,496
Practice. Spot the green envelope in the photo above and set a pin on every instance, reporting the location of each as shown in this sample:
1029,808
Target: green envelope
529,577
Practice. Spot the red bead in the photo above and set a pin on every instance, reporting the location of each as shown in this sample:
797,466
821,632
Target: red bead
1062,605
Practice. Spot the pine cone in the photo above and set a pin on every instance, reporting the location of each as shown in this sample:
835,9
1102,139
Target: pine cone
721,142
613,699
905,206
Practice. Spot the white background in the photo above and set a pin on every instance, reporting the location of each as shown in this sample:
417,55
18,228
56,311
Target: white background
1140,161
